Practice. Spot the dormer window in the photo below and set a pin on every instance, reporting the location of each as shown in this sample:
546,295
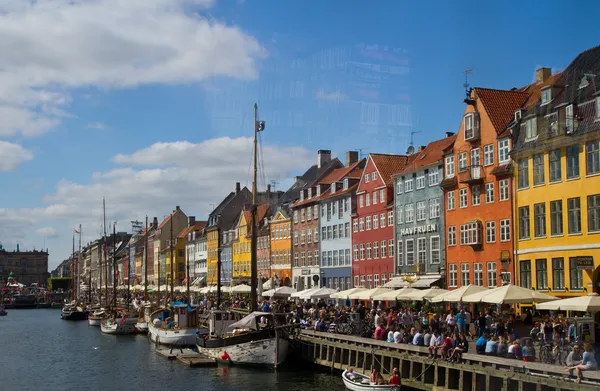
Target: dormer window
333,188
471,126
569,119
531,130
346,180
517,115
302,195
310,192
318,190
546,96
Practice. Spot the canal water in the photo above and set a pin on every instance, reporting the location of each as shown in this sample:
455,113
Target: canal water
41,352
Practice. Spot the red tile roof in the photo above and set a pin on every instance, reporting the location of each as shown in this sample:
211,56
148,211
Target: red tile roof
500,105
433,152
165,221
261,212
197,226
340,173
388,165
338,193
535,90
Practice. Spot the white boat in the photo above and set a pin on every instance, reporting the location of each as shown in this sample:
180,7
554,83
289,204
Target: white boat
178,329
95,319
361,382
141,327
118,326
250,343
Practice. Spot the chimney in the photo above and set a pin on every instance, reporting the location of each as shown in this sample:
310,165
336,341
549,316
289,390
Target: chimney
176,209
191,221
155,222
449,134
268,192
324,157
237,187
351,158
297,179
542,74
421,148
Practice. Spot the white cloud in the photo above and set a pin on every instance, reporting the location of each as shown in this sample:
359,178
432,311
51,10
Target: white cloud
96,126
13,155
52,47
335,96
47,232
152,181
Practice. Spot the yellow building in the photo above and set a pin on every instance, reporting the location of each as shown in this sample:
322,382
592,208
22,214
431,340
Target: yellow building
212,260
241,248
557,187
281,248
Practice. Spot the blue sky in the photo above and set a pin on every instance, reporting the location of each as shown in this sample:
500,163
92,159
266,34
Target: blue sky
126,99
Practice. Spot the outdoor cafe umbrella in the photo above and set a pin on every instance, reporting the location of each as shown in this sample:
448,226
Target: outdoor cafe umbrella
243,288
301,294
323,293
418,295
508,294
346,294
457,295
587,303
370,293
392,295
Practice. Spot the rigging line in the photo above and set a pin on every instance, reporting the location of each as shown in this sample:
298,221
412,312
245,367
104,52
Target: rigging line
262,163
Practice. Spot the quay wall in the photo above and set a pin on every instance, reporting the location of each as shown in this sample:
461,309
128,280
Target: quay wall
476,373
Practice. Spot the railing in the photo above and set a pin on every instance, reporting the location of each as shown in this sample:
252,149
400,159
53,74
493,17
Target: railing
471,174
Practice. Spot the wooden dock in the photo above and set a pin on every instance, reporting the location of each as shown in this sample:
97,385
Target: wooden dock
476,373
189,357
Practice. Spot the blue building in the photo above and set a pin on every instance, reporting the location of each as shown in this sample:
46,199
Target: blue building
226,256
337,206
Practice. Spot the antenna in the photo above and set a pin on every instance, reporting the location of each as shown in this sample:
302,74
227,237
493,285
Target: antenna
411,145
360,153
467,85
274,184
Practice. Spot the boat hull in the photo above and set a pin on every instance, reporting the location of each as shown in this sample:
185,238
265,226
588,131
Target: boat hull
74,315
3,313
118,328
262,349
358,386
141,327
25,306
94,321
172,337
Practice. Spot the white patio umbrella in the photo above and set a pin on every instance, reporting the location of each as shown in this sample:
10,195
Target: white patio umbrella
345,294
587,303
243,288
508,294
456,295
323,293
205,290
418,295
392,294
268,284
369,294
284,291
302,294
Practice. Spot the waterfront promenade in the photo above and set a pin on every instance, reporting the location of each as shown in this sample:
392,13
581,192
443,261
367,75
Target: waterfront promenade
476,373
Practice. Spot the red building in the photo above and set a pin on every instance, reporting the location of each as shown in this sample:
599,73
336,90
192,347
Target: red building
373,224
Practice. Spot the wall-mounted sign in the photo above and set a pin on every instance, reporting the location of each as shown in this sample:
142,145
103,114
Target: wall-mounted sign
585,263
423,229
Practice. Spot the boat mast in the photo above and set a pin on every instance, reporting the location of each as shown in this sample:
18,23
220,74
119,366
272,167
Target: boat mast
79,265
114,262
105,251
172,260
218,267
258,127
187,279
73,270
146,261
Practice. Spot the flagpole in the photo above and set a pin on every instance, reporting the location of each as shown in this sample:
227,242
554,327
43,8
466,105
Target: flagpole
79,265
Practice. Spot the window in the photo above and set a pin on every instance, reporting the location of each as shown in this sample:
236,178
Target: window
489,193
592,157
309,213
399,252
348,258
556,218
435,249
368,220
569,119
538,169
558,273
505,230
367,199
346,230
576,274
390,247
421,211
362,251
399,214
296,260
375,197
374,176
451,236
488,155
368,250
469,126
531,128
410,213
490,231
295,217
470,233
478,274
475,157
422,251
434,177
539,220
355,249
382,196
410,252
475,195
453,275
384,250
593,213
546,96
523,173
355,225
492,274
408,185
376,250
450,166
525,274
434,208
524,222
302,213
555,170
574,215
390,219
462,198
504,194
382,220
451,200
361,201
465,274
421,182
362,224
462,161
541,274
295,238
503,151
356,281
598,107
573,162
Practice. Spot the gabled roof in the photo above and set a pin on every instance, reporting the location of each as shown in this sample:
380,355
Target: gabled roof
261,212
340,173
308,179
433,152
500,105
535,90
388,165
197,226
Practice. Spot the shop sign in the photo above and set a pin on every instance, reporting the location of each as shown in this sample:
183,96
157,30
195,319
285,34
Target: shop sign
423,229
585,263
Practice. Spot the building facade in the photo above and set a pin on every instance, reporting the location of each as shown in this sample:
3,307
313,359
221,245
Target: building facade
373,245
478,192
28,267
557,156
305,239
226,257
165,234
263,250
419,215
281,248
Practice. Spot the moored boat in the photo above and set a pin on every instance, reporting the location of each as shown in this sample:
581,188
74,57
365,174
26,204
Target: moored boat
3,311
22,301
177,327
359,382
73,312
123,326
95,319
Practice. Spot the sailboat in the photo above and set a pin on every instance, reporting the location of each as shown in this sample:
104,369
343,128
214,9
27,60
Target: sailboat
255,339
72,311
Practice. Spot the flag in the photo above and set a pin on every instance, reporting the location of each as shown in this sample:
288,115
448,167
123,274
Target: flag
75,231
468,71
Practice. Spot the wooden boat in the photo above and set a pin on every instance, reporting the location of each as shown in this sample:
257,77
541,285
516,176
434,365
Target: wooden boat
176,327
73,312
95,319
123,326
362,382
248,342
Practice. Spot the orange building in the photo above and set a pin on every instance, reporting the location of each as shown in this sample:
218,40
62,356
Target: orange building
478,192
281,248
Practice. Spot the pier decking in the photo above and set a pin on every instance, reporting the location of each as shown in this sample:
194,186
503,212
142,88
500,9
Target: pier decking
189,357
476,373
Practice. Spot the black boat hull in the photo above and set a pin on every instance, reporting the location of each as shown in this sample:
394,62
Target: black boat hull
75,315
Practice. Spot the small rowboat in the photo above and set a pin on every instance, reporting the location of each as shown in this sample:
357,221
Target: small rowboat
361,382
